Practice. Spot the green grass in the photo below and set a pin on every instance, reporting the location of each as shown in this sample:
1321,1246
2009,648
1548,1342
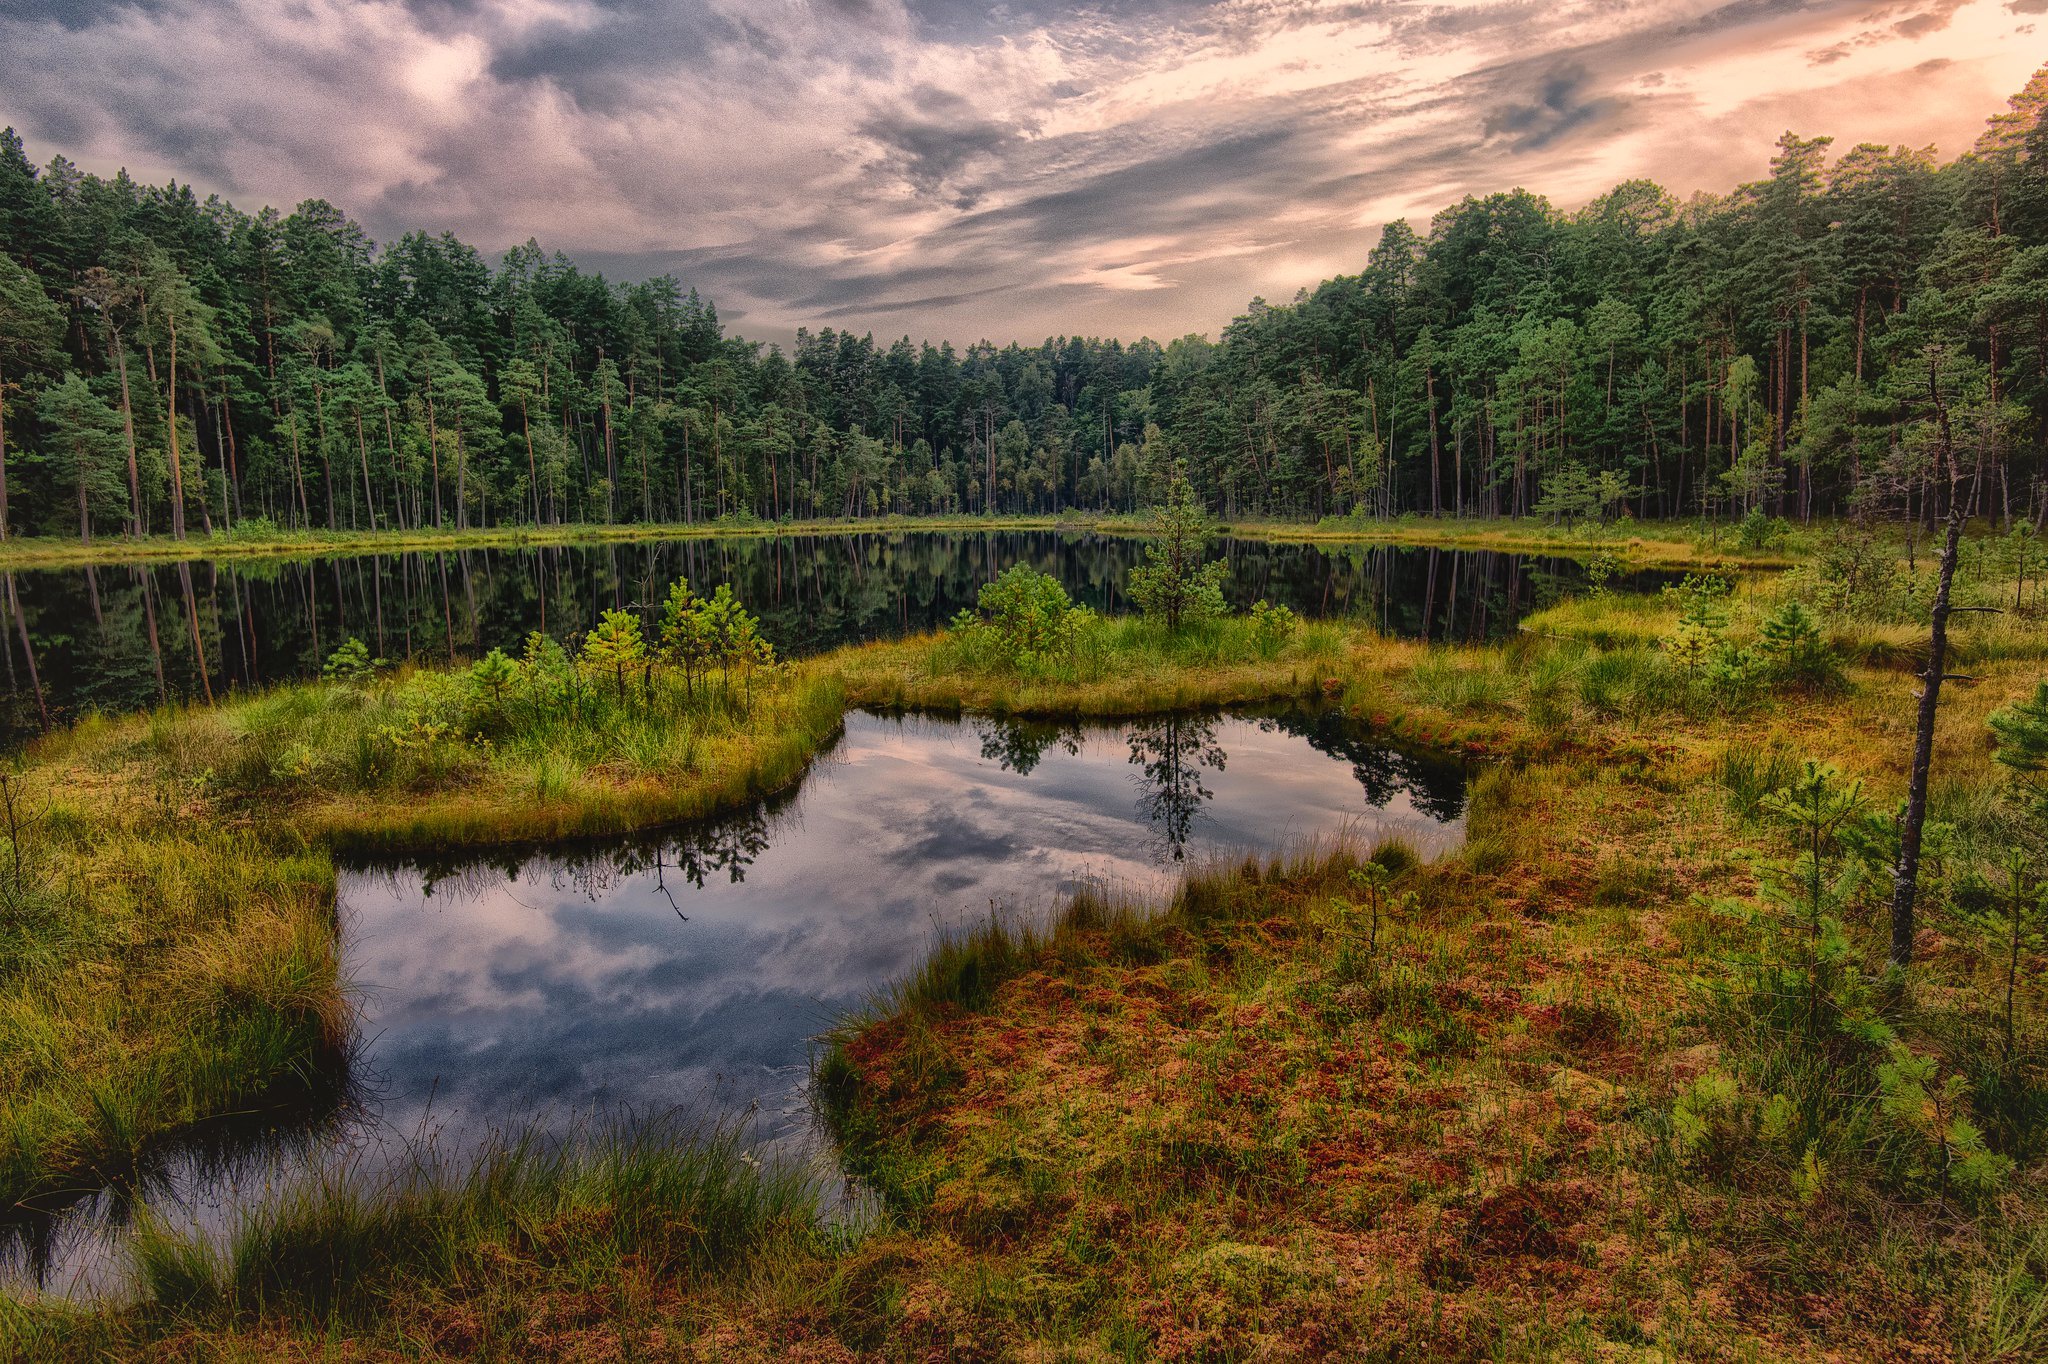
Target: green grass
156,975
1259,1116
460,1256
1115,668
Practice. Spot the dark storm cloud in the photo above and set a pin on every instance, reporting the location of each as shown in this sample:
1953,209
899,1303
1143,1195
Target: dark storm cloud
601,65
933,138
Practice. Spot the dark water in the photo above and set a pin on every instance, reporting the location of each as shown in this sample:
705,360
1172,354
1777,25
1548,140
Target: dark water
121,638
683,978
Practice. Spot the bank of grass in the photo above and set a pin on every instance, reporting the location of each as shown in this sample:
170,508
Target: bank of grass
1308,1109
1646,544
425,760
160,977
532,1251
1121,667
1659,544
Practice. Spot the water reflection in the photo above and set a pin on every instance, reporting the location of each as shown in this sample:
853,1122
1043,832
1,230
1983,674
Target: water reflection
683,977
122,637
1170,755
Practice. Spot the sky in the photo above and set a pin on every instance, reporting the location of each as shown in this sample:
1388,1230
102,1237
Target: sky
960,171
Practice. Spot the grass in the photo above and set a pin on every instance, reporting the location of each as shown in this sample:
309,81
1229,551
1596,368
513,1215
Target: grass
1512,1103
1121,667
1649,544
155,979
608,1230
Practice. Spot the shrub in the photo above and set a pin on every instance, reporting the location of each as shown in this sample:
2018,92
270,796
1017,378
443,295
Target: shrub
351,662
1272,626
1760,531
1025,618
1793,651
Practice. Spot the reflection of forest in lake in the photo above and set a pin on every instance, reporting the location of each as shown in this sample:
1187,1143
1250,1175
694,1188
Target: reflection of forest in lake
121,637
681,976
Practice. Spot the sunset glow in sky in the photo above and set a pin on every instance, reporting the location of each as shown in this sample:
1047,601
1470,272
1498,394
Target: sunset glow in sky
959,170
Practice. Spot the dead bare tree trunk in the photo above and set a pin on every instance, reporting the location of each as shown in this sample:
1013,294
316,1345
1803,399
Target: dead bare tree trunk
1906,874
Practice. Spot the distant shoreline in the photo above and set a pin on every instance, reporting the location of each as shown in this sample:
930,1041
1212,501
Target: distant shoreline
1643,543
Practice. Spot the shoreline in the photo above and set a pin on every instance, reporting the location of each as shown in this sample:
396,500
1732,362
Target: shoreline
1649,544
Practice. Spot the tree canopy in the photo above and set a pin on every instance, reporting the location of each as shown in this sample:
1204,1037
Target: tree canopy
1760,349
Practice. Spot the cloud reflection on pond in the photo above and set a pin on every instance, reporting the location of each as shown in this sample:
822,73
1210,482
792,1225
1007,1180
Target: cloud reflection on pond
689,974
683,977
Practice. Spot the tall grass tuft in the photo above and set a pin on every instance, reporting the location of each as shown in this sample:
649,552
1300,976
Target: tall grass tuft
673,1203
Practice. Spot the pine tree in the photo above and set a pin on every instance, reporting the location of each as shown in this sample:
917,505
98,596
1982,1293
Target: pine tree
29,327
1174,584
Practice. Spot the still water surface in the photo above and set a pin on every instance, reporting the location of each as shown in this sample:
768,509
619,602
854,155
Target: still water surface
121,638
684,978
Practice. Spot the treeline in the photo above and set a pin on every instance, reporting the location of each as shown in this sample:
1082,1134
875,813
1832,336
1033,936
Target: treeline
171,363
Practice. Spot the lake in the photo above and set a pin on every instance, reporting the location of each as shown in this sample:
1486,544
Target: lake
684,977
122,638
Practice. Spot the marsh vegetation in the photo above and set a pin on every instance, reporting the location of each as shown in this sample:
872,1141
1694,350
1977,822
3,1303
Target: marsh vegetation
1624,1067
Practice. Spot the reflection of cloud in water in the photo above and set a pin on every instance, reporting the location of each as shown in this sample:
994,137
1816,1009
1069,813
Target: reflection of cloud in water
569,982
687,975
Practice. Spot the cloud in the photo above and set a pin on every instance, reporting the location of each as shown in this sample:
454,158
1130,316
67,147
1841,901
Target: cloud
1562,107
965,170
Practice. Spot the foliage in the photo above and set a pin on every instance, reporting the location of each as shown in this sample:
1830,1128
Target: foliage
1272,626
2021,730
1574,494
350,662
1804,976
1932,1112
1024,616
1174,584
1759,531
1793,651
614,647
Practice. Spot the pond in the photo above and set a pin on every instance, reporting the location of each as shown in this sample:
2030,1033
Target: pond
684,978
122,637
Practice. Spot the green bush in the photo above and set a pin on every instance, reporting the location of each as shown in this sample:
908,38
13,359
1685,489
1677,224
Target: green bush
1794,654
1272,626
1759,531
1025,620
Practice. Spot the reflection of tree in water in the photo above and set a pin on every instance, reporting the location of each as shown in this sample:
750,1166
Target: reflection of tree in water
1434,785
119,638
701,852
1170,755
1017,745
711,850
